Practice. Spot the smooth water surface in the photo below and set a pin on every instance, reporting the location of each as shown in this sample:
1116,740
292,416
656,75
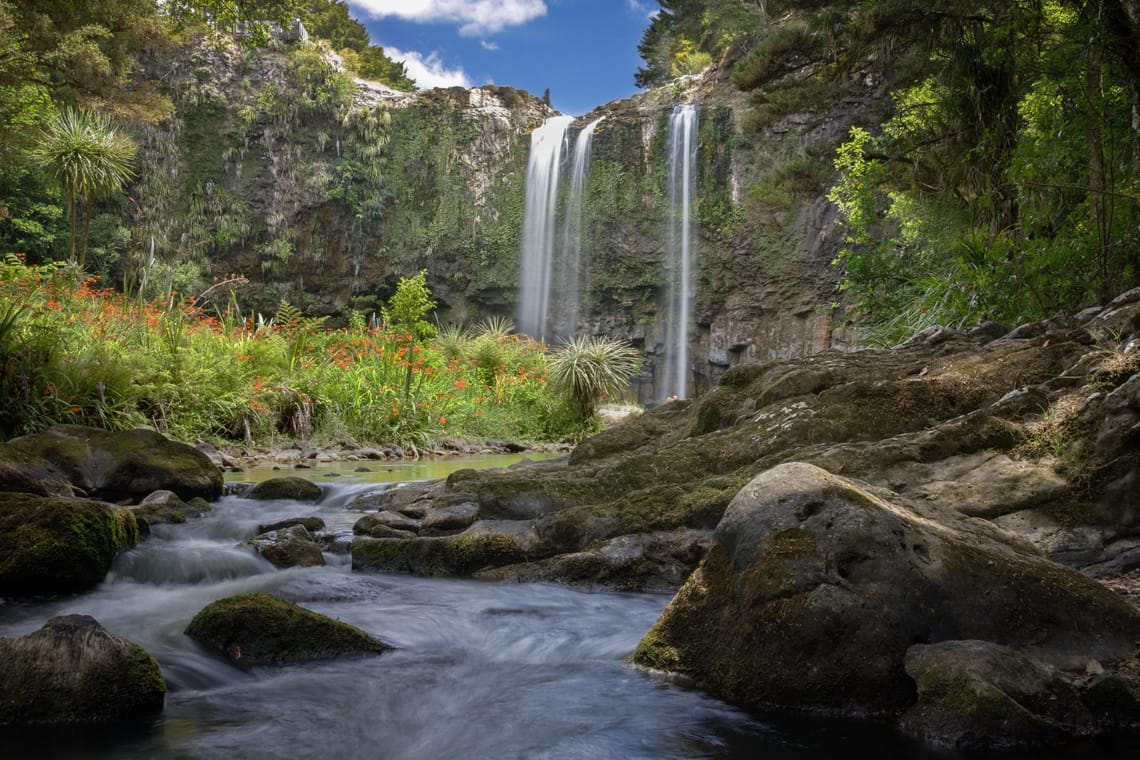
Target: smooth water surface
389,470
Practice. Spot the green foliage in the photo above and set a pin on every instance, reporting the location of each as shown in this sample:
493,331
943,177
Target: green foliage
686,36
588,369
1005,184
409,305
329,20
90,159
686,59
72,353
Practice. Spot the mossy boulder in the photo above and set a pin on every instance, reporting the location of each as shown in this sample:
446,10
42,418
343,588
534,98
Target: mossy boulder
289,488
21,472
125,464
164,507
52,545
74,671
976,695
261,629
292,546
815,587
486,544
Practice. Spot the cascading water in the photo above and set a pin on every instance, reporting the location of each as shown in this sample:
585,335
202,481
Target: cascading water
673,380
572,267
543,172
480,669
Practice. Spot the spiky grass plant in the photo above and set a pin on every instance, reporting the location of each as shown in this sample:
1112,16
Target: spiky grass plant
588,369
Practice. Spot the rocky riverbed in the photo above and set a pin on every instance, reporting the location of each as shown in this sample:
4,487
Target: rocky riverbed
865,527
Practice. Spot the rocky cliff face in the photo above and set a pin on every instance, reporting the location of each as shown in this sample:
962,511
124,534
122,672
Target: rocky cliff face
767,235
325,191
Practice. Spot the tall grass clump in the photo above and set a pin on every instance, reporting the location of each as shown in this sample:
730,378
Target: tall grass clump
589,369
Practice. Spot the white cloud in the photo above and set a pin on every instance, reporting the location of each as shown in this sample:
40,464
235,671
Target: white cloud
488,45
644,8
475,17
429,71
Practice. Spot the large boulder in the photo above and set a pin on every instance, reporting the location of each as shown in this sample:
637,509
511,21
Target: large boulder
74,671
53,545
21,472
123,465
815,588
261,629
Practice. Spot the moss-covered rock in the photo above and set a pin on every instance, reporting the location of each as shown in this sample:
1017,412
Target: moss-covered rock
289,488
260,629
815,588
291,546
977,695
486,544
311,524
164,507
22,472
74,671
59,545
125,464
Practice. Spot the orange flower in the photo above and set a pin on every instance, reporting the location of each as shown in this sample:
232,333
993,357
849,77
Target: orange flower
459,385
442,421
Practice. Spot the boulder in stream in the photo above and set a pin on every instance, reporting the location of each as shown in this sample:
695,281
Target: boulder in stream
74,671
289,488
816,590
123,464
292,546
54,545
261,629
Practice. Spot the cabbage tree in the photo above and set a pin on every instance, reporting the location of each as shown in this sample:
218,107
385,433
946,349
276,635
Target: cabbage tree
90,159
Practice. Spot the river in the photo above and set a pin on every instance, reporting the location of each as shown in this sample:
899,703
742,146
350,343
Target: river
480,670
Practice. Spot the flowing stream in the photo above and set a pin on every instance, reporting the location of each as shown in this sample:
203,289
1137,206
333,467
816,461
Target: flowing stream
481,670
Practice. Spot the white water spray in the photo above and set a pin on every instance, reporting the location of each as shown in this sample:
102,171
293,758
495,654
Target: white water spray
673,380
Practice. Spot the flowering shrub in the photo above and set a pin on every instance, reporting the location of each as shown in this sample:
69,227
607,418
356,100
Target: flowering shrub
75,352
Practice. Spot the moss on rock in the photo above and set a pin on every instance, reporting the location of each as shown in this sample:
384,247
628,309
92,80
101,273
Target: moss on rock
261,629
290,488
125,464
73,671
460,555
56,545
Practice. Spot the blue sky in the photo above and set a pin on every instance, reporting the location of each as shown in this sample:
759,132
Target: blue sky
585,51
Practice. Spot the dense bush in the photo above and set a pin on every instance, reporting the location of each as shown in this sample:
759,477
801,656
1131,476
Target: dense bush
75,353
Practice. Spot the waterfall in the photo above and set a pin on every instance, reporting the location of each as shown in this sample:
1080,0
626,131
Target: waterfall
542,175
571,266
673,380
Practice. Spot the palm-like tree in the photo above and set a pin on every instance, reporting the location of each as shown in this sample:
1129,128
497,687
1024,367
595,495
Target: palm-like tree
587,369
90,159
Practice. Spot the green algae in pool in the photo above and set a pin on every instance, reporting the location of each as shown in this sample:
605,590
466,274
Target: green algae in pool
386,470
